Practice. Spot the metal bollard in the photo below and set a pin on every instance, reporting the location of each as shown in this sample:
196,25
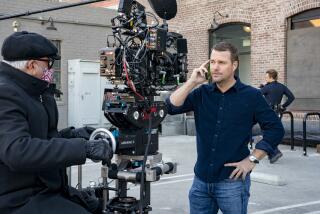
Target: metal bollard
305,130
292,127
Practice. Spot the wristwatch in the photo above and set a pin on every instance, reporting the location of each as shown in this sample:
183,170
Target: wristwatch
253,159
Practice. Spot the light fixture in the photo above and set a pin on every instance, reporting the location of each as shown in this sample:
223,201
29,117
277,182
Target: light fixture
246,29
15,26
51,24
215,24
315,22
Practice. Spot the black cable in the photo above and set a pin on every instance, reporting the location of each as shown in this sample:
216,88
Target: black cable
144,166
155,18
114,41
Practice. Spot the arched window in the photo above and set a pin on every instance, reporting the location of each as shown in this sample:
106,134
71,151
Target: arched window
303,57
238,34
307,19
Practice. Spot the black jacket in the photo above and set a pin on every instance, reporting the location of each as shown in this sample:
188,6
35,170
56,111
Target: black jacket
274,92
33,158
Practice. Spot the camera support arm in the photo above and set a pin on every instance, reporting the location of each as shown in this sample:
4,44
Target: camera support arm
48,9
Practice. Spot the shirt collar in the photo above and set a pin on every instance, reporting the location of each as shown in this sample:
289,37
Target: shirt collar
236,87
272,82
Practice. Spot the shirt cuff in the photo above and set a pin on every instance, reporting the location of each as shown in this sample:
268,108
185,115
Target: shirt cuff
265,146
172,109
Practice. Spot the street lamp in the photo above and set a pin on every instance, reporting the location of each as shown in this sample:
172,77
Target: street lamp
50,21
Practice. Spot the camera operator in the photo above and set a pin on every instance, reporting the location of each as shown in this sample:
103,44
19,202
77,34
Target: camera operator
225,112
274,92
33,154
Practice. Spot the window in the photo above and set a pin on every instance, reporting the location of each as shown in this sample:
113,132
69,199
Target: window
306,19
238,34
57,66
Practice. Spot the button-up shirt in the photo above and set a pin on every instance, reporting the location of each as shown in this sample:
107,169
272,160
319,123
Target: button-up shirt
274,92
224,123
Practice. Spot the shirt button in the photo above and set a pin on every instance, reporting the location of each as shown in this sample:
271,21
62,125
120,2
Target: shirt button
220,108
215,135
211,164
218,121
213,149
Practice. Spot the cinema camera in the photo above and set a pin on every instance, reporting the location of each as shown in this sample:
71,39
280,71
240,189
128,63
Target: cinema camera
145,58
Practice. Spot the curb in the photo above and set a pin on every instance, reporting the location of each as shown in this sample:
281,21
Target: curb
270,179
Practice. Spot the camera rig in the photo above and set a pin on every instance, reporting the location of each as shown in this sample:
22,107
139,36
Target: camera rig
144,59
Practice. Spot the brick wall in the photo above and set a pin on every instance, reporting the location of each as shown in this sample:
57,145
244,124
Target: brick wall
268,19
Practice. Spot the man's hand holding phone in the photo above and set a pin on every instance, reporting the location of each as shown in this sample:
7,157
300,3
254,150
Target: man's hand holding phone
201,74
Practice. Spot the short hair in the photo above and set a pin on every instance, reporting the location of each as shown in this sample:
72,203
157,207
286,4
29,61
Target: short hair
21,64
272,73
226,46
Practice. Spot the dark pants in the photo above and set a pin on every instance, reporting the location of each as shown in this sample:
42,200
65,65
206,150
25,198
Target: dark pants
274,153
51,204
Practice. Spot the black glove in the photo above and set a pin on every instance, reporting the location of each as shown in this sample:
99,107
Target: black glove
94,205
71,132
83,132
99,150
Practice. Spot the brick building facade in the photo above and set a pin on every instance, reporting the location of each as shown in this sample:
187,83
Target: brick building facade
273,43
269,21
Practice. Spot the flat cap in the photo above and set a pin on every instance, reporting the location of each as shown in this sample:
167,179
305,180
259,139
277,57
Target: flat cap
26,45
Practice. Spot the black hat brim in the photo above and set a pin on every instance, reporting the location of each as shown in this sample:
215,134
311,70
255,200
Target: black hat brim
55,57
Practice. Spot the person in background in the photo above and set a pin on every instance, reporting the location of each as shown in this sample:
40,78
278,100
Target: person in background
274,92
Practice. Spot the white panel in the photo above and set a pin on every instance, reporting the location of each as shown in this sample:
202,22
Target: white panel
104,83
90,67
86,89
89,99
73,67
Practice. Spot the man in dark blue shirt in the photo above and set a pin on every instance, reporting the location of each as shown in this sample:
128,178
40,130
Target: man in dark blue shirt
274,92
225,112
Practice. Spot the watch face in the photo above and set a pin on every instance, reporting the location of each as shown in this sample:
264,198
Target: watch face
253,159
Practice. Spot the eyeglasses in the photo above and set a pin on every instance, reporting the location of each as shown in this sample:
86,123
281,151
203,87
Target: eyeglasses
49,60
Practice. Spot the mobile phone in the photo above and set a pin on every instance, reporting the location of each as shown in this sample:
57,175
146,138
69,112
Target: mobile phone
208,74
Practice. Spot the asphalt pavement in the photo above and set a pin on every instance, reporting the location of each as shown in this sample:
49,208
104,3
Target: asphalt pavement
290,186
